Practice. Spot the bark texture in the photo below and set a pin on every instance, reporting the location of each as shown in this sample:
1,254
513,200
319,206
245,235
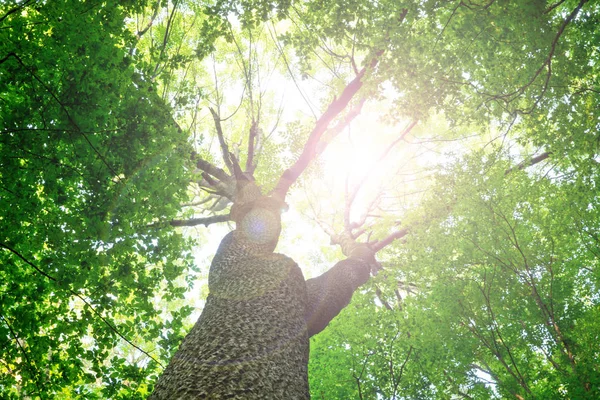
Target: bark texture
251,341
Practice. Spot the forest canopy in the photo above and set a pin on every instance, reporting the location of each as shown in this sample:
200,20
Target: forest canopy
459,138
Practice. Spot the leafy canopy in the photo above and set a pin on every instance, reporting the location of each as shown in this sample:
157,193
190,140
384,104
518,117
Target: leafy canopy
473,135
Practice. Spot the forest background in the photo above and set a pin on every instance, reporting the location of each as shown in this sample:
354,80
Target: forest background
460,137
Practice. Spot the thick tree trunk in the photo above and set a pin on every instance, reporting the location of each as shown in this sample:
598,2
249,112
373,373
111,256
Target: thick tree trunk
251,341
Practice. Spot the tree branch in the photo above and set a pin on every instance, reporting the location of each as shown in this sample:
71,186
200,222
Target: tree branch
166,36
290,175
252,136
528,163
508,97
142,31
552,7
211,169
200,221
380,244
214,179
224,148
340,126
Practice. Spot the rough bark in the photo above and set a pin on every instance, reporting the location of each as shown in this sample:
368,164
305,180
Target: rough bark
252,339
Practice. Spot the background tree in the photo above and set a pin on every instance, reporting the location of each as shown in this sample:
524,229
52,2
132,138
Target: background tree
475,131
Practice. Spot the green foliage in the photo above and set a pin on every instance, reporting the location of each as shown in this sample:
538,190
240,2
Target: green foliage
90,158
494,292
508,265
504,264
503,273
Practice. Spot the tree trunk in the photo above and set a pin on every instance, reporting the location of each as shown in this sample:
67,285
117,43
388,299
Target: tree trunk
251,341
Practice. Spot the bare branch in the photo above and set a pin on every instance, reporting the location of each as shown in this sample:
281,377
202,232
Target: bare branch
218,189
200,221
380,244
327,229
214,179
350,198
197,203
207,167
290,175
237,170
528,163
363,218
224,148
252,141
340,126
273,34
